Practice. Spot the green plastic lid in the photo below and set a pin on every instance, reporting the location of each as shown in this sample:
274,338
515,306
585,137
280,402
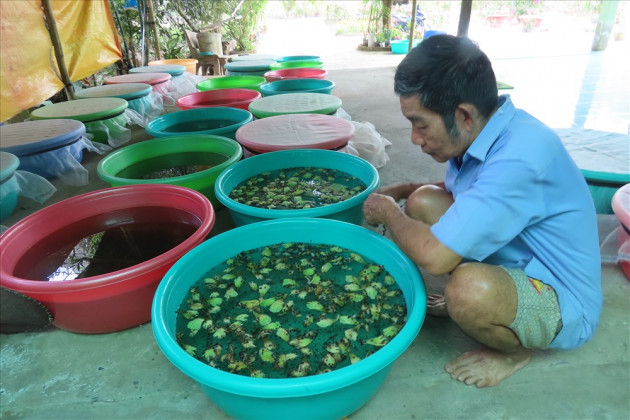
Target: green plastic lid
295,103
84,110
126,91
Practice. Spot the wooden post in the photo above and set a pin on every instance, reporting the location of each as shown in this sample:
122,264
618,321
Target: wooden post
412,26
605,23
464,18
51,25
151,23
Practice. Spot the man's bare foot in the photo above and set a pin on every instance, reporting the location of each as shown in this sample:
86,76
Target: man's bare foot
436,306
486,367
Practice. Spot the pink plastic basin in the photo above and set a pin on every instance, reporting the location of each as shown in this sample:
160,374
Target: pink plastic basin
233,98
621,207
112,301
295,73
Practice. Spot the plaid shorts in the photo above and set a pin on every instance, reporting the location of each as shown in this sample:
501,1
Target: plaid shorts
538,318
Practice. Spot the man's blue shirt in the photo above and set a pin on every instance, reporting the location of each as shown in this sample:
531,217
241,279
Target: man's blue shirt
520,201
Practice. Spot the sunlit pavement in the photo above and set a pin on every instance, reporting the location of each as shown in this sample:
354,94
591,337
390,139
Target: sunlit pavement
555,75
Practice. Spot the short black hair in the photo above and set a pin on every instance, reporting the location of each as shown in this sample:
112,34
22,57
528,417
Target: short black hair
445,71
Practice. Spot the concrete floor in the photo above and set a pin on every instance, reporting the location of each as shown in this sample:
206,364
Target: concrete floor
60,375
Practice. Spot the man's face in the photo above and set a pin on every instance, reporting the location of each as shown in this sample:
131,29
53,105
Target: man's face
429,132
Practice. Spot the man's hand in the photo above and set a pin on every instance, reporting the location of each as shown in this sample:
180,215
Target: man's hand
377,207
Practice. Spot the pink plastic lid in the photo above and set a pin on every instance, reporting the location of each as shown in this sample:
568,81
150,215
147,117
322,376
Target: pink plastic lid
295,131
150,78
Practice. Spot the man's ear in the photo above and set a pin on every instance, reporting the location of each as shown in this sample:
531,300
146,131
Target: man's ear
466,116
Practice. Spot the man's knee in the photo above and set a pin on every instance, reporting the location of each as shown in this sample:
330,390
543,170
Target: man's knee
428,203
467,292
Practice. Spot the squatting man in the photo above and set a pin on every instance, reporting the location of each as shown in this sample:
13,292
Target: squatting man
512,223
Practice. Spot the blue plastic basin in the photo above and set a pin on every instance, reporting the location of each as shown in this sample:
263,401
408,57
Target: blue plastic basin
331,395
348,211
219,120
297,85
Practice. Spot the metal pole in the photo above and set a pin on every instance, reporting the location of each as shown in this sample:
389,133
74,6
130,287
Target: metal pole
464,18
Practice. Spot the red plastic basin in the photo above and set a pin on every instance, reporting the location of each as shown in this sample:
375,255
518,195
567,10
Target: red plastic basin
295,73
112,301
233,98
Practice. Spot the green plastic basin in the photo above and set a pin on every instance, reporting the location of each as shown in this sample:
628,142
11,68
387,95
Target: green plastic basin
151,155
231,82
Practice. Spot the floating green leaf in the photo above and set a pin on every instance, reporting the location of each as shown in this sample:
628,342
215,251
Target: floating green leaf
195,325
351,334
378,341
327,322
371,292
390,331
283,334
263,319
329,360
219,333
314,305
266,355
277,306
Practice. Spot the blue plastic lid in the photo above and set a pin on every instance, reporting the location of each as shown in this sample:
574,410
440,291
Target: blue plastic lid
128,91
205,53
30,137
172,69
8,164
251,65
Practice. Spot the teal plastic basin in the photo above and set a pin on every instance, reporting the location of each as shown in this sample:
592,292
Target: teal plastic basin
219,120
348,211
298,58
156,154
603,186
331,395
297,85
